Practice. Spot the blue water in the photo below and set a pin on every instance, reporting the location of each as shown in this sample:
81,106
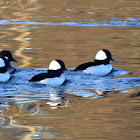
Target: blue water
112,22
88,112
77,83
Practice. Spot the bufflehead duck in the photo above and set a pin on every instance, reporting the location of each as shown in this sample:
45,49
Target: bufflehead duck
9,57
4,74
100,66
54,77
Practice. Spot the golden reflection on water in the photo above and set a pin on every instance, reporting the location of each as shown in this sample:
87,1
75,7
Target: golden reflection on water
116,116
26,60
24,111
113,117
19,43
30,128
18,10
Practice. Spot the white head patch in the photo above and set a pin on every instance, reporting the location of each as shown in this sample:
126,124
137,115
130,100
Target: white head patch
54,65
101,55
2,63
6,57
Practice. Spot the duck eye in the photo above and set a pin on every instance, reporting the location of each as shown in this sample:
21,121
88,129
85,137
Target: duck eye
6,57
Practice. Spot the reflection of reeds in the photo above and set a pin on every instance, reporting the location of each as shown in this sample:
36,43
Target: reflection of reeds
9,118
23,44
19,10
28,107
30,128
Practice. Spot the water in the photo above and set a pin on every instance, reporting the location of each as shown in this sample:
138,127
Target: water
86,107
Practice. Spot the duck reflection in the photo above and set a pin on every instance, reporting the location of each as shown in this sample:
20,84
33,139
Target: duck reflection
32,108
57,98
99,94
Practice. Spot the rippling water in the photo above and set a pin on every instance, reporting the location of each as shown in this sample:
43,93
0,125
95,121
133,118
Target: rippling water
86,107
112,22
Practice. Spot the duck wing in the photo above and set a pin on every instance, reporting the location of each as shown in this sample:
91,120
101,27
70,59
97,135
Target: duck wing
50,74
84,66
39,77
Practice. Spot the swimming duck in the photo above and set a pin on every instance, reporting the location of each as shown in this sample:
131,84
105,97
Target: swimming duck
9,57
101,66
54,77
4,74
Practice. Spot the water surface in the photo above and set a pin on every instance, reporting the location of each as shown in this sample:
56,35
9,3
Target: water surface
86,107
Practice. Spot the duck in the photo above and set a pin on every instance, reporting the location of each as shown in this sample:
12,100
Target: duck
4,74
101,65
54,77
8,55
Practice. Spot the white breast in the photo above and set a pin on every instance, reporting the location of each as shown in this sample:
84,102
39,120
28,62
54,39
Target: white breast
4,77
100,70
2,63
56,81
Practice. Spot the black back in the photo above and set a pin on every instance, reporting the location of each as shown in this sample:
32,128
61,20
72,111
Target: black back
50,74
89,64
84,66
3,69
